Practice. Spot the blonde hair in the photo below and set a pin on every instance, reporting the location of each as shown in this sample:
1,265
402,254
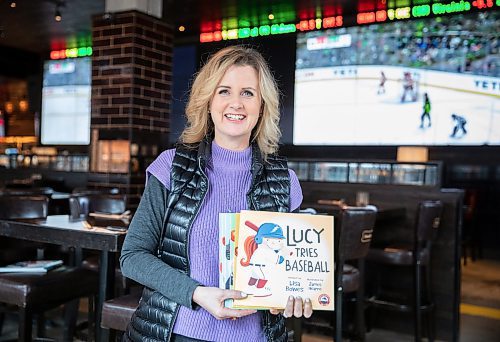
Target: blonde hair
199,123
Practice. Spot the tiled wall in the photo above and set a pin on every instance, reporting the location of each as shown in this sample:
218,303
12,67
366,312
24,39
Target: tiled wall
131,90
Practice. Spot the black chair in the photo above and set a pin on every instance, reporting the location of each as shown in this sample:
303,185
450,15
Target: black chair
100,191
27,191
12,250
35,191
353,234
14,207
416,254
81,205
35,293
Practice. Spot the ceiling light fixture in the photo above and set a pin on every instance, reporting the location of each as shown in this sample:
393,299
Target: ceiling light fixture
57,14
270,16
182,28
13,4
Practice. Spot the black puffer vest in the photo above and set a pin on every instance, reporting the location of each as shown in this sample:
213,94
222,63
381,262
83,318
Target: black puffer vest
270,190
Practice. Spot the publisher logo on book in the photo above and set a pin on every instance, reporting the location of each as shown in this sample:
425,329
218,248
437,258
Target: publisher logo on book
324,299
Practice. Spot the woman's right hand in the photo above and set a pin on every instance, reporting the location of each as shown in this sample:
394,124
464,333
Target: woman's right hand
212,300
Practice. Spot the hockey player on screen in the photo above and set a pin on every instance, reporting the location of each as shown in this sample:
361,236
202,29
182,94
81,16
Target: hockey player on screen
459,122
426,114
408,87
381,85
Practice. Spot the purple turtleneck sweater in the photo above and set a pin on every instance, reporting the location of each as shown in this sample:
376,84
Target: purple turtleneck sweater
229,178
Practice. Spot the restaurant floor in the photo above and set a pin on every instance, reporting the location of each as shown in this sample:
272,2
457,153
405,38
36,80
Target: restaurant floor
479,319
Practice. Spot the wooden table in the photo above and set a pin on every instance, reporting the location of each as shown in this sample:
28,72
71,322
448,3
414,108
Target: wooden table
59,230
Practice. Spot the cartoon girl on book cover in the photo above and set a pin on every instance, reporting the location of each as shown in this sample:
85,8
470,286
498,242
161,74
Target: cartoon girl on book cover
263,251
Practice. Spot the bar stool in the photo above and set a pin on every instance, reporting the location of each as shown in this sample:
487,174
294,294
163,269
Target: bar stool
471,232
36,293
416,255
353,234
117,312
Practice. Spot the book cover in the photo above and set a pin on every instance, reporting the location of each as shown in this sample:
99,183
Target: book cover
227,229
31,266
282,254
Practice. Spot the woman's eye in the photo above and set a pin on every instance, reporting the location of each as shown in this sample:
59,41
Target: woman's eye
247,93
223,92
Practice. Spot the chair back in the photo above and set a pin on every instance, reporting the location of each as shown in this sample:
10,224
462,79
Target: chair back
23,207
81,205
356,230
31,191
100,191
311,211
428,220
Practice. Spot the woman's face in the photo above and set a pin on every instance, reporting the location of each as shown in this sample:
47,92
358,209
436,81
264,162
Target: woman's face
235,107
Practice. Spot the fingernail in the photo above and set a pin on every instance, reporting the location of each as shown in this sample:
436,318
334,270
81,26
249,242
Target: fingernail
291,298
308,300
243,294
298,298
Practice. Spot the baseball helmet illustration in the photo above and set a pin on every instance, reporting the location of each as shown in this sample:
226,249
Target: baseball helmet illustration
269,230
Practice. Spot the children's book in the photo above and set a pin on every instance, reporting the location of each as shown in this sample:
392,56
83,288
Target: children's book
227,230
276,255
31,266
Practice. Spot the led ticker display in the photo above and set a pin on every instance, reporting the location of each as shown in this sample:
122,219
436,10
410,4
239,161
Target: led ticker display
421,11
71,53
266,30
371,12
453,7
482,4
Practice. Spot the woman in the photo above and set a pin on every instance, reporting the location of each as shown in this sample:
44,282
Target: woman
225,162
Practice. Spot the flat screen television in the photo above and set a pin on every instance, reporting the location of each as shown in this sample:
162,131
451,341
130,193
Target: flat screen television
65,118
431,81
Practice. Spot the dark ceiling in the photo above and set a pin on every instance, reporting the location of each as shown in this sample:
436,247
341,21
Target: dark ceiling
31,26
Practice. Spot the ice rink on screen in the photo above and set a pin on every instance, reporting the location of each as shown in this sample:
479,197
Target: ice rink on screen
349,111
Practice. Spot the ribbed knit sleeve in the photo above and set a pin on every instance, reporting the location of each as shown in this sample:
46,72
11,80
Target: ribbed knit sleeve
296,196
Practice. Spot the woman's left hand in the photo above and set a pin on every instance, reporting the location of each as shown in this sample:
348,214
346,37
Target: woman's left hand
295,307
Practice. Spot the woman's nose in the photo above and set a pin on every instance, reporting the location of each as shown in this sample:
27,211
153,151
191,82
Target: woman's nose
235,102
236,105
